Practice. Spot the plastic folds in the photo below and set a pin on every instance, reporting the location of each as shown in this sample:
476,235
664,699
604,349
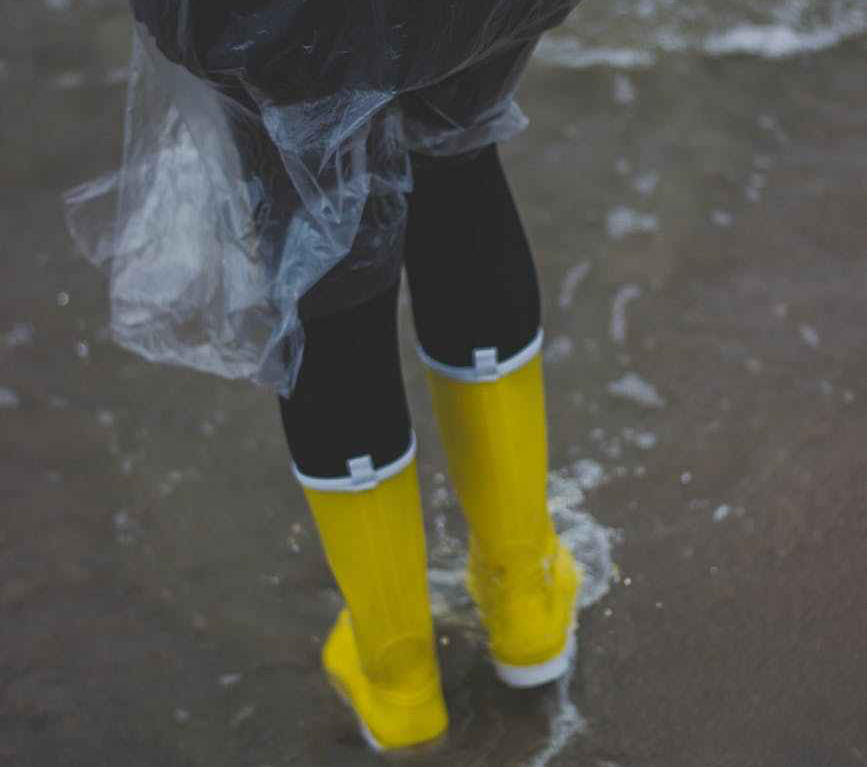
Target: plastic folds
266,170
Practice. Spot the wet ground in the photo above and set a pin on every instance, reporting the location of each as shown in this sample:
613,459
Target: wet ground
702,240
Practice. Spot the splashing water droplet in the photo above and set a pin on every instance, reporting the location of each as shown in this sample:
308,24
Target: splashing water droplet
633,387
8,398
809,335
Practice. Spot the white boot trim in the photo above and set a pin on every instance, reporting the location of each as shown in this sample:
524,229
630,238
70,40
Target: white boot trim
486,366
540,673
362,474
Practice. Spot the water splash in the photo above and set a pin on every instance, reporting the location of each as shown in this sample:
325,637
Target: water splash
624,90
558,350
566,723
8,398
646,183
229,679
722,218
591,544
623,221
624,296
633,387
809,335
643,440
571,281
588,476
21,334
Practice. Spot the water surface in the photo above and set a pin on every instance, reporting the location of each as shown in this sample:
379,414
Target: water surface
693,183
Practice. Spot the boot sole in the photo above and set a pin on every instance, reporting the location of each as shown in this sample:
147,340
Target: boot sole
541,673
345,698
430,746
423,746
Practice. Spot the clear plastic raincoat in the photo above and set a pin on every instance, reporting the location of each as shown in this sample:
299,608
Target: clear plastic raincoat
266,161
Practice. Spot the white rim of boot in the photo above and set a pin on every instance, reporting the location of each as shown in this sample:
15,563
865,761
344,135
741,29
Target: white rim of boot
369,736
540,673
362,475
487,367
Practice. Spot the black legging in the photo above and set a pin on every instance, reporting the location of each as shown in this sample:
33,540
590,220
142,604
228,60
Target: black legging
473,285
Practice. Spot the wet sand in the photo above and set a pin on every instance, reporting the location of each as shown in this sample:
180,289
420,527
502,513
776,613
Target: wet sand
703,249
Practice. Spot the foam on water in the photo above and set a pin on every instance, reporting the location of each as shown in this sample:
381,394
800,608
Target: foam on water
571,281
566,722
644,440
646,183
126,528
625,34
624,90
624,296
588,476
590,543
558,350
623,221
69,80
21,334
809,335
8,398
722,218
571,54
229,679
632,386
775,40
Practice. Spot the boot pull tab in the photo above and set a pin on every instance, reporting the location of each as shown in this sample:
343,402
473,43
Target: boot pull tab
485,364
362,473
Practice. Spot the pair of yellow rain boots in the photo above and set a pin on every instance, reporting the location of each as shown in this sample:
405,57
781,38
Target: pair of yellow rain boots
381,655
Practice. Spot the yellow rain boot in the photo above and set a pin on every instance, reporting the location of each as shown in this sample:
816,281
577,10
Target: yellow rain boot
524,581
380,655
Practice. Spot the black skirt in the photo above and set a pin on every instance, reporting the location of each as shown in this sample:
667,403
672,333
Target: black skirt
267,161
301,50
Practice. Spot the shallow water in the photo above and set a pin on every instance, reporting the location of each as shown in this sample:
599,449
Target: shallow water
699,219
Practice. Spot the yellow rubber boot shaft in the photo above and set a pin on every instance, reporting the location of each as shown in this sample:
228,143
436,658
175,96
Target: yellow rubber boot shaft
523,580
496,445
381,653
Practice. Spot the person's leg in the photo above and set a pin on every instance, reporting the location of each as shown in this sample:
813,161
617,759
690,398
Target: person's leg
476,304
349,433
349,398
468,260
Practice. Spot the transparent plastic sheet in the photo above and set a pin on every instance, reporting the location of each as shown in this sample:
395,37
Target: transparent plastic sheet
266,162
